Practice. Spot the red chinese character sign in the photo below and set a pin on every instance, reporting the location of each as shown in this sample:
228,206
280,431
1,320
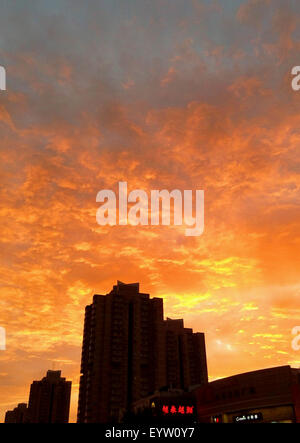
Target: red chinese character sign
183,410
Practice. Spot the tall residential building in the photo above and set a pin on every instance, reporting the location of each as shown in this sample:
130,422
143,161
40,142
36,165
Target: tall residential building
49,400
129,352
185,354
17,415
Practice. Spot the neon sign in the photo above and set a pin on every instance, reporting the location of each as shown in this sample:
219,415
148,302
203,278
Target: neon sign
183,410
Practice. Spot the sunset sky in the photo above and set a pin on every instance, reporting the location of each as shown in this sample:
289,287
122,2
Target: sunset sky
163,94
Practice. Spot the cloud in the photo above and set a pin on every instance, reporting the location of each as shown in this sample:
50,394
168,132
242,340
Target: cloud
100,95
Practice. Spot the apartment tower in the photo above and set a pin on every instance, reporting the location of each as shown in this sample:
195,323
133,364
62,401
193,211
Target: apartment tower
129,352
49,399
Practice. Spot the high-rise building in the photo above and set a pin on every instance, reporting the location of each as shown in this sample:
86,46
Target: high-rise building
49,400
17,415
129,352
123,352
185,354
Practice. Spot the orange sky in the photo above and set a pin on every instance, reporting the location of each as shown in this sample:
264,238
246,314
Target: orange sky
174,97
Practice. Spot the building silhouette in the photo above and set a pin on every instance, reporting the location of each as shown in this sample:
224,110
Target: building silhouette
49,399
129,352
185,355
17,415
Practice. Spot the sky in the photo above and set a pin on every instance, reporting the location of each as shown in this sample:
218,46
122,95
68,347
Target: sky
162,94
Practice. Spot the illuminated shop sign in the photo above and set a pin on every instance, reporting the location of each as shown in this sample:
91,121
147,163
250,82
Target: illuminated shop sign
183,410
246,418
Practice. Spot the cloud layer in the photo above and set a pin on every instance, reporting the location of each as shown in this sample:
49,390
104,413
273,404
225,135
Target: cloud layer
161,94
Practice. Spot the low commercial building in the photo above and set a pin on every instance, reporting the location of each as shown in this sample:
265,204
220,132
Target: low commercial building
264,396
